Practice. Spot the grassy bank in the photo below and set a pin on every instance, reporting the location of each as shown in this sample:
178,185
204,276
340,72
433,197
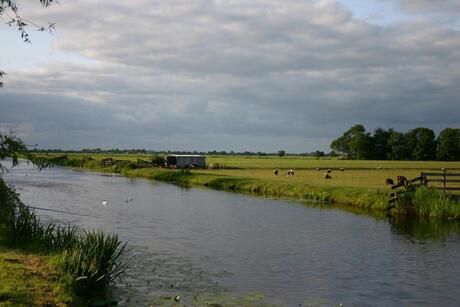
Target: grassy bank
77,266
29,280
354,183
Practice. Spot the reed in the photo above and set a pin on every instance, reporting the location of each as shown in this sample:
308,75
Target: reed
426,202
95,262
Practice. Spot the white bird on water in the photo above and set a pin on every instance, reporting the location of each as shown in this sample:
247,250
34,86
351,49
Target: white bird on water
104,202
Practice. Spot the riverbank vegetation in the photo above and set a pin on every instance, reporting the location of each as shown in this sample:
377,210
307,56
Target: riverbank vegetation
85,263
354,183
72,266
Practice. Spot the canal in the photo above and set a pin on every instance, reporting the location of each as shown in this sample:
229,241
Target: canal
211,246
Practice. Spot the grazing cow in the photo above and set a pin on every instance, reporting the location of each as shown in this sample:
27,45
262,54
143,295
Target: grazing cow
401,180
329,171
289,172
275,172
327,176
389,181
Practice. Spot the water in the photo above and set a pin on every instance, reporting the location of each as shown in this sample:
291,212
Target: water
201,243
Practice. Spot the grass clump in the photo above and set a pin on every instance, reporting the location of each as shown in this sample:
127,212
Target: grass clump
96,261
427,202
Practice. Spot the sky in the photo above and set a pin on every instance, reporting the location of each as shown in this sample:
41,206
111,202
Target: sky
257,75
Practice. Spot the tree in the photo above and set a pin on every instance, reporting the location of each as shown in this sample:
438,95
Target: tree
281,153
10,9
398,148
380,143
355,143
448,145
12,147
422,143
319,154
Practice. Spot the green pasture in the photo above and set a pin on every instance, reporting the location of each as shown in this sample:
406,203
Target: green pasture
272,162
289,162
366,179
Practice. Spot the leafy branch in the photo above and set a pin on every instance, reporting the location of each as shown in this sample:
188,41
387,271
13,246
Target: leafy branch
12,147
10,9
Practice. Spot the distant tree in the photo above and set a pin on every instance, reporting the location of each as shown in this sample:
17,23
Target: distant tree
332,154
281,153
448,145
422,143
380,143
319,154
355,143
398,148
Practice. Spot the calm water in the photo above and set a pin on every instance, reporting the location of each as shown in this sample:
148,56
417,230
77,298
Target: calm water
193,242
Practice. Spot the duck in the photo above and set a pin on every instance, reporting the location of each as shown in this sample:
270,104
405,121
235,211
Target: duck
104,202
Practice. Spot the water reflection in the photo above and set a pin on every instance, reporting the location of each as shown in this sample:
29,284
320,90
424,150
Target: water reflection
424,229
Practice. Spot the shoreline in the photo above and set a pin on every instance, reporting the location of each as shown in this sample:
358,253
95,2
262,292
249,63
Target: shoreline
415,204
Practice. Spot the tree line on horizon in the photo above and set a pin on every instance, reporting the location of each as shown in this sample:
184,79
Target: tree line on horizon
418,144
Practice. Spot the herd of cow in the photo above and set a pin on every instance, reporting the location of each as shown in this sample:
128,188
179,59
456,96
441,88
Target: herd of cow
401,180
290,172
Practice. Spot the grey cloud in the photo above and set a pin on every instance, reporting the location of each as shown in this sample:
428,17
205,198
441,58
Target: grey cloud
430,6
246,72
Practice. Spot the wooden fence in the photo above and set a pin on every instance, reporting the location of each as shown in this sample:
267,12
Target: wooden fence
447,181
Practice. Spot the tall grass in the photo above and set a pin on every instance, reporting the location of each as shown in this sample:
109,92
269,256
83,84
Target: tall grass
426,202
88,261
94,262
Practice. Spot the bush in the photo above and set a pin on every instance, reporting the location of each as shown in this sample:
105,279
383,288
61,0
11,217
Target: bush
158,160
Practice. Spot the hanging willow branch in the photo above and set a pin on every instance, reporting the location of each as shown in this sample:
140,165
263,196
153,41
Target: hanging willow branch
10,9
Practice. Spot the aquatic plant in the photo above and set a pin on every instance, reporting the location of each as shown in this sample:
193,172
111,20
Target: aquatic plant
95,262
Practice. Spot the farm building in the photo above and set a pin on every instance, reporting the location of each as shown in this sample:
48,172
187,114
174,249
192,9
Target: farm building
186,161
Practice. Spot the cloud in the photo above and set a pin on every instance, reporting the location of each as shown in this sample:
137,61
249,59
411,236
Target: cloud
430,6
253,73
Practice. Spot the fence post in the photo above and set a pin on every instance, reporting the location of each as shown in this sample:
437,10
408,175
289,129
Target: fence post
444,179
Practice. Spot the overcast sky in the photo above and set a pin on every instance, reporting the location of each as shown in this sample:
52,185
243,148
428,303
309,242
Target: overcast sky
259,75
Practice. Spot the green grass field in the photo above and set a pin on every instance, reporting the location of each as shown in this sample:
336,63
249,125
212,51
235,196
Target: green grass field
28,280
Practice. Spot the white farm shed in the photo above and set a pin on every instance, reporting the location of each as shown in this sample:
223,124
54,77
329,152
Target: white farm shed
186,161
